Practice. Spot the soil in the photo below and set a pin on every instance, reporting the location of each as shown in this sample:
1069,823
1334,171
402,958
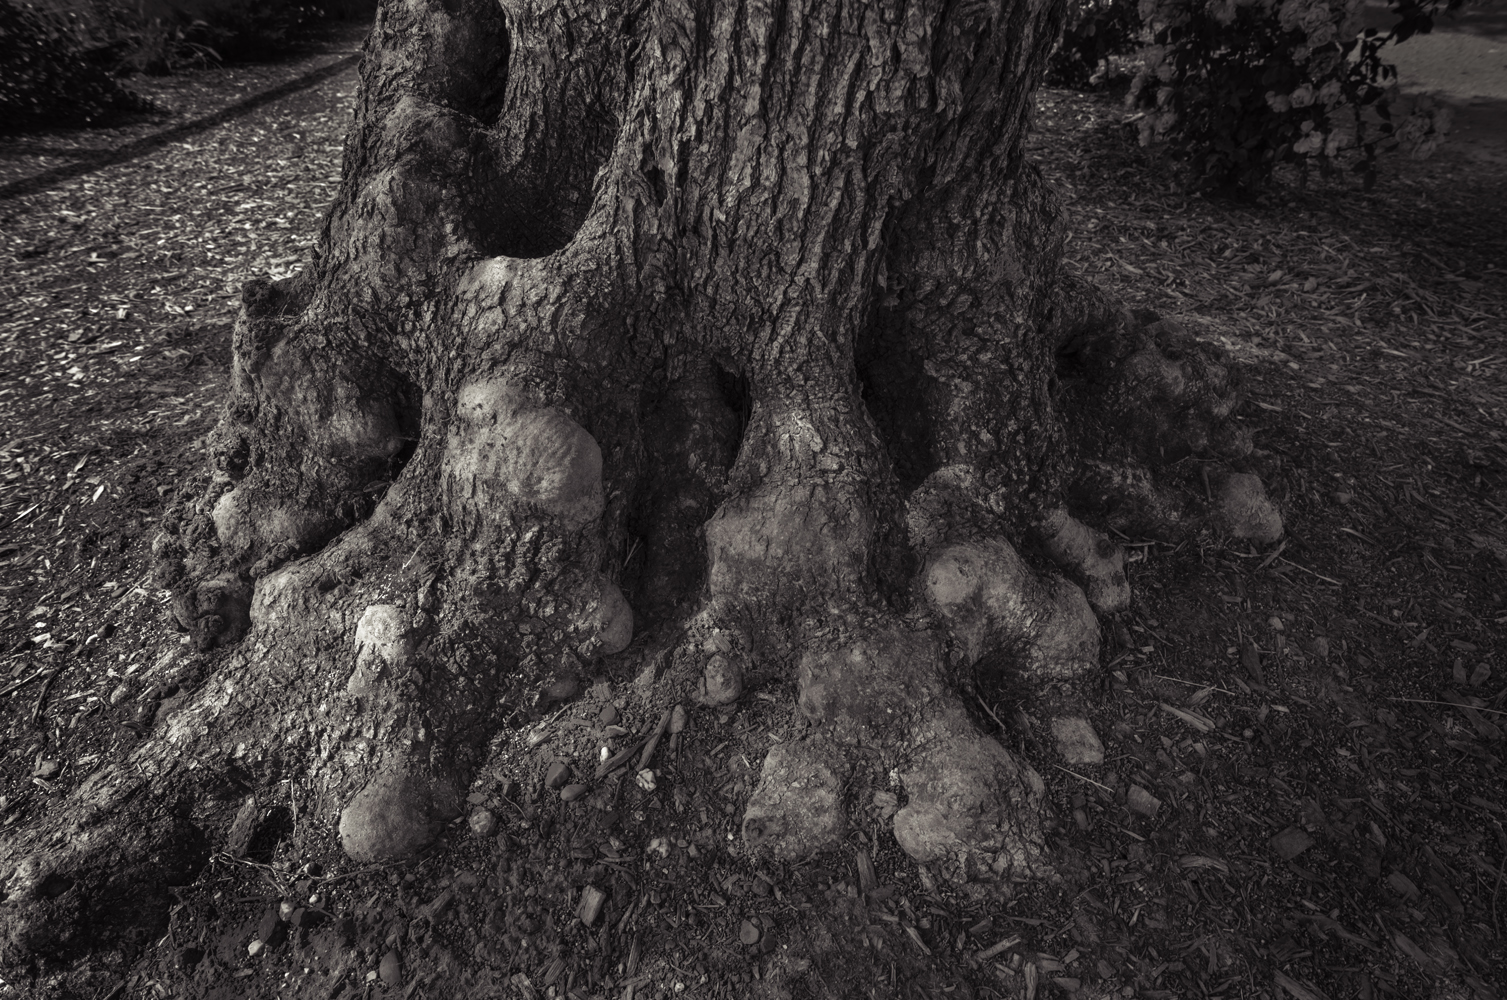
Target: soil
1302,792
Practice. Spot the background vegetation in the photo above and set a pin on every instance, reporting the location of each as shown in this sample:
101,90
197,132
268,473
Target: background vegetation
61,60
1236,88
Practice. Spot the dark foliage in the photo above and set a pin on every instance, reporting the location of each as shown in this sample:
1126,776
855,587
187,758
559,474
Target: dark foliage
47,76
1094,31
1237,87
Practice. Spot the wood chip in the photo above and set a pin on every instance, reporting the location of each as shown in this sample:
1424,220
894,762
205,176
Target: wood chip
867,882
1290,843
1137,799
590,906
994,949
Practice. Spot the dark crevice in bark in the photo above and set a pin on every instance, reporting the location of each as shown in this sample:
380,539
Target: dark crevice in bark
891,377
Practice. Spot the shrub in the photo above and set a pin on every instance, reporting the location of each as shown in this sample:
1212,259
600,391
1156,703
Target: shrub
1094,31
1239,86
182,34
46,75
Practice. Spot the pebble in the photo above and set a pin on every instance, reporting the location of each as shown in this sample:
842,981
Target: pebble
572,792
677,719
562,689
47,770
558,774
254,948
609,716
121,693
483,822
391,969
748,934
721,681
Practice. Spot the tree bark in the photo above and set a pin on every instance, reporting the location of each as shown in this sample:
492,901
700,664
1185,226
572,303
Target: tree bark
713,344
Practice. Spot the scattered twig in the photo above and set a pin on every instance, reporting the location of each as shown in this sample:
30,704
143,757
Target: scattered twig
22,683
36,710
659,731
1273,556
1448,704
1197,684
1080,777
1321,576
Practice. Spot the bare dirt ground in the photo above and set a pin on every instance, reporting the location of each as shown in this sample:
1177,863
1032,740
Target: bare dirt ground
1303,793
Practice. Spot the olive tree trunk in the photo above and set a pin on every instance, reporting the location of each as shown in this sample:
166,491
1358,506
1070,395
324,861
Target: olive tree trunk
720,345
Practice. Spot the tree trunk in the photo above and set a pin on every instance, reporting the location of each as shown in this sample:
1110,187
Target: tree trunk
718,345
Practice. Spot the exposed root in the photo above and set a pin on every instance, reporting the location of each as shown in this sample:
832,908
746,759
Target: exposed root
971,803
1087,557
797,808
992,600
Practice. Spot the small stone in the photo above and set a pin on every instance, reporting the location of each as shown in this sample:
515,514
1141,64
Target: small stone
271,930
721,681
562,689
1077,741
47,770
558,775
748,934
391,969
609,716
285,909
1319,647
677,719
483,822
254,948
572,792
1245,509
121,693
1141,801
1341,497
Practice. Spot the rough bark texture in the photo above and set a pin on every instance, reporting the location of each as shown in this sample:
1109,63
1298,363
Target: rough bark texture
718,343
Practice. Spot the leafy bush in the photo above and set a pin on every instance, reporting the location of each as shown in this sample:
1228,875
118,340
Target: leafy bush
47,76
1240,86
1094,31
173,35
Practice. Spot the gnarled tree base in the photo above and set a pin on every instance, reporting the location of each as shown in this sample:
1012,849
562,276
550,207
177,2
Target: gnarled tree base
663,394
